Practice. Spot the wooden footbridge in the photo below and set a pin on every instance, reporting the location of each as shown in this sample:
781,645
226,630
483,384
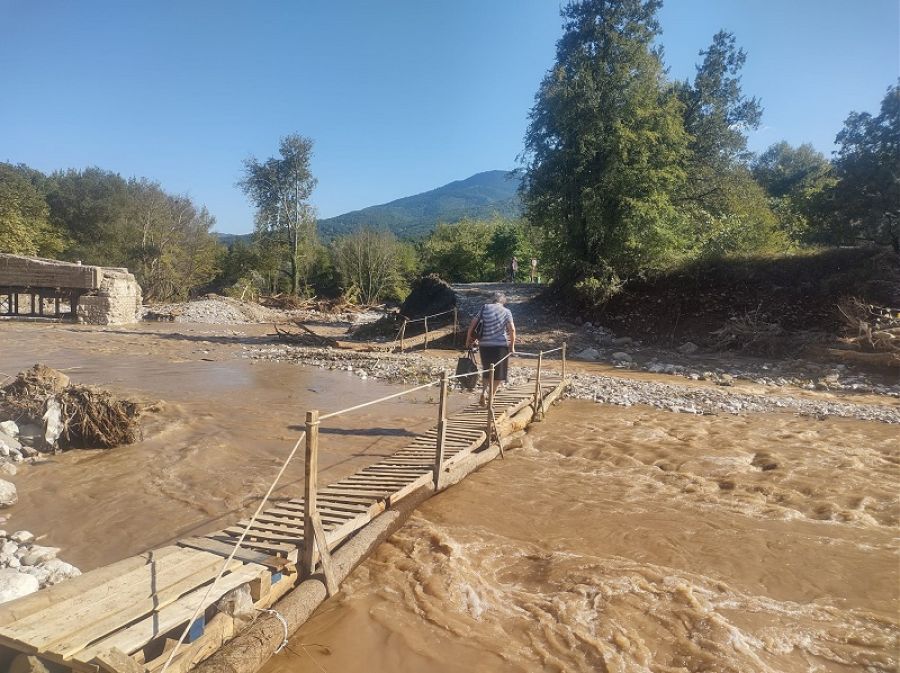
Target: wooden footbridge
169,608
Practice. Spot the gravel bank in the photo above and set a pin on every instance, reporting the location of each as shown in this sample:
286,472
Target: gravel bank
691,399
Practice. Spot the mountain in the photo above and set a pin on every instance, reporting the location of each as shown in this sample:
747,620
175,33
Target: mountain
482,195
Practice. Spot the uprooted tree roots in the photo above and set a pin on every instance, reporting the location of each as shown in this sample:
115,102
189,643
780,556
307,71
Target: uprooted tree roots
90,417
877,329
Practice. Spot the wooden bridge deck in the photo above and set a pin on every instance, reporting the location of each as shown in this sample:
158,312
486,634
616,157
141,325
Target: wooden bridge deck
124,617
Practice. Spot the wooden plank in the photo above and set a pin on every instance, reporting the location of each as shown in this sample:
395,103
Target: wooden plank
219,631
115,660
247,556
256,536
77,586
141,585
289,550
160,622
324,555
63,637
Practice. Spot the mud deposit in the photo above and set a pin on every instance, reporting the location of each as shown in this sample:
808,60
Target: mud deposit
634,539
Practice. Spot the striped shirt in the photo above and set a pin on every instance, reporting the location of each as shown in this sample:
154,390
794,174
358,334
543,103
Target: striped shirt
496,319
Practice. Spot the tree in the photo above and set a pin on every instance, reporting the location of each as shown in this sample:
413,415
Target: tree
368,262
865,202
717,116
795,179
25,227
92,206
605,147
458,252
279,188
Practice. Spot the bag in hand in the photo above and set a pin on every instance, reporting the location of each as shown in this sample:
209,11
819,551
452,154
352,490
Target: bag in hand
467,365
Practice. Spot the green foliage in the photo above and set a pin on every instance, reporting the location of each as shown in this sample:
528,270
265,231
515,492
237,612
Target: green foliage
865,203
476,250
25,227
795,179
100,218
280,188
605,146
370,264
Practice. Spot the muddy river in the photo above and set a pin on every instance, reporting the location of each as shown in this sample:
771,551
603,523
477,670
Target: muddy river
620,539
210,451
632,539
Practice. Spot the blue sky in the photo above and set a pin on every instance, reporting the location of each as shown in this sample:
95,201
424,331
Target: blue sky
399,96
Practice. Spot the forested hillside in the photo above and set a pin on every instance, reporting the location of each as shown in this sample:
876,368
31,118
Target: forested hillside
481,196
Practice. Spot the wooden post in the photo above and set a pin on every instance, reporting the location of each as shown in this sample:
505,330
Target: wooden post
308,562
403,332
441,433
564,361
490,412
537,388
426,334
33,312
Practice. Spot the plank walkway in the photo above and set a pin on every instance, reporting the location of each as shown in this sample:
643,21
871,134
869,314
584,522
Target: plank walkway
125,617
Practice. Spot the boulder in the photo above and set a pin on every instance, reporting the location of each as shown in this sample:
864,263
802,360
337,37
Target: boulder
10,428
588,354
58,571
8,442
14,584
8,469
688,348
22,536
38,554
8,494
621,356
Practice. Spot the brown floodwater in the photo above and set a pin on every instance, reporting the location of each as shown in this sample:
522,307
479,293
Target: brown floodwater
619,539
210,451
634,539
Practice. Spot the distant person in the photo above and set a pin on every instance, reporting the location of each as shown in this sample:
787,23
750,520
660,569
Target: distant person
512,270
534,275
497,340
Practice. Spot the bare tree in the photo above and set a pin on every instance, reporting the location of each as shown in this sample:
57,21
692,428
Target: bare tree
368,263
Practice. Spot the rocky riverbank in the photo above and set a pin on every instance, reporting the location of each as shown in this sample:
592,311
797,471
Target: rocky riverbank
693,398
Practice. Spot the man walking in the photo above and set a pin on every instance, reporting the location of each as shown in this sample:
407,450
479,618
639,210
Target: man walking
497,340
512,270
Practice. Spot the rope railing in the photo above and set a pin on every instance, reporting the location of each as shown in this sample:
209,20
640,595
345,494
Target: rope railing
312,523
433,315
379,400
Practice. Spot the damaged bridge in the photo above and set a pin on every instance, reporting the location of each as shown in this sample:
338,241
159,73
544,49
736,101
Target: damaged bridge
98,295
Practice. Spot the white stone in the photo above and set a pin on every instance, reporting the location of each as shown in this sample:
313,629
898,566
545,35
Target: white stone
688,348
621,357
8,469
8,548
40,573
588,354
8,494
10,428
13,562
14,584
9,440
38,554
59,570
22,536
53,423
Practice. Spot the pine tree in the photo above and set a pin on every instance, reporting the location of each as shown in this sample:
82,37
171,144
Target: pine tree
605,147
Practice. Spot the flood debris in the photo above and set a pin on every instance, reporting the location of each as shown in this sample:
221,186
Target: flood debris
69,415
